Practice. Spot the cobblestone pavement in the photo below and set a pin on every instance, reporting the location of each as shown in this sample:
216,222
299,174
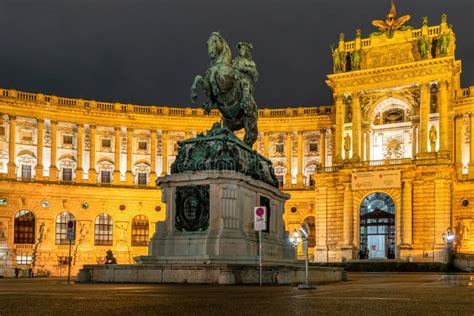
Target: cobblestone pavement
362,294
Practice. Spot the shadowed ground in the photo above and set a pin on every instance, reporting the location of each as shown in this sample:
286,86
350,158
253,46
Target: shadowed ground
363,294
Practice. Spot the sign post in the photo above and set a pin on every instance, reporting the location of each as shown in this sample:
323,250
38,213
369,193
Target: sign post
70,236
260,223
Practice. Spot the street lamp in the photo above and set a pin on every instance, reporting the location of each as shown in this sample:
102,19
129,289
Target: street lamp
449,237
302,235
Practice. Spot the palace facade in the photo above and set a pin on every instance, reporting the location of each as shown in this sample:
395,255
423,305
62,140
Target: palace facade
382,173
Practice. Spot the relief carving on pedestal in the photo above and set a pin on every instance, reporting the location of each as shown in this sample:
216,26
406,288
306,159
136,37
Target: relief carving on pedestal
192,208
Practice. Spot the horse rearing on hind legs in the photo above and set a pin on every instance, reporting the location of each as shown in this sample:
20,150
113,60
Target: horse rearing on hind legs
228,84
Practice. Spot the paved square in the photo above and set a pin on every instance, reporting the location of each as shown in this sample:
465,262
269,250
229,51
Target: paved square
363,294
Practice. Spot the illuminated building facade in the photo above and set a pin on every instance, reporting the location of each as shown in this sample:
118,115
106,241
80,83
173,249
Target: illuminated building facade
382,173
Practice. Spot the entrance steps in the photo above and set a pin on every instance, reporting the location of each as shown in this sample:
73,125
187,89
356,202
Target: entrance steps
373,265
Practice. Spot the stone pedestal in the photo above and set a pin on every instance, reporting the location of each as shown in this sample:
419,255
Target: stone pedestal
210,219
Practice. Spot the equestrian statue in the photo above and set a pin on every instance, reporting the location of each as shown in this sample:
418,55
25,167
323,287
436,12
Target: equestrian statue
229,85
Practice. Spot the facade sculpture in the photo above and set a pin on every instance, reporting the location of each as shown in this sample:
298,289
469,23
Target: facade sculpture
433,138
347,146
391,23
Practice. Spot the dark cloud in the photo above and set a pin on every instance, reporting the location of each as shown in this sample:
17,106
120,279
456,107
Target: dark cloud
147,52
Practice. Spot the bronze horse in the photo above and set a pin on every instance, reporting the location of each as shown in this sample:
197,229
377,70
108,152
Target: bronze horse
222,85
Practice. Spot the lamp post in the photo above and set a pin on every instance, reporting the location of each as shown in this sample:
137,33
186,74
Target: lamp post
302,236
449,237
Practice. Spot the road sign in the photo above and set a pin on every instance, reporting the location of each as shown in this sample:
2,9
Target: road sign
71,230
260,218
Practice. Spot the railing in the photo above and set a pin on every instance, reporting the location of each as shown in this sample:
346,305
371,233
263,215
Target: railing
434,30
466,92
153,109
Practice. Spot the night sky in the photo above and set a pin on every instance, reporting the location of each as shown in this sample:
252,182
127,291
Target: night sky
148,51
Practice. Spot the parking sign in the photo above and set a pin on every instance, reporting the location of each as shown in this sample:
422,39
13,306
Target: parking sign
260,218
71,230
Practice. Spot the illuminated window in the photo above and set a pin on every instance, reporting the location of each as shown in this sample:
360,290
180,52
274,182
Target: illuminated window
106,143
280,148
67,139
61,228
24,259
141,178
105,176
24,231
103,232
140,229
25,172
142,145
67,174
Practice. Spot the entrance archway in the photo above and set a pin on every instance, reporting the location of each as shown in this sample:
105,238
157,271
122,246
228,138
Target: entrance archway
377,227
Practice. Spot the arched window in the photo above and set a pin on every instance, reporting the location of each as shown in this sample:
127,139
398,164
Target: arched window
24,227
140,228
103,230
61,227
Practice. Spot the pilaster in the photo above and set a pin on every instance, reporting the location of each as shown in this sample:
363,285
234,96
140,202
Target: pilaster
128,174
322,149
356,127
80,153
458,120
424,119
300,176
92,171
164,153
471,147
289,167
347,223
39,150
339,128
53,170
153,158
443,117
406,220
116,175
11,147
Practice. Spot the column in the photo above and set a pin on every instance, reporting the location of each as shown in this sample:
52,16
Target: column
339,129
164,153
80,153
39,149
322,149
11,147
406,220
471,146
153,158
300,176
116,176
333,145
443,116
458,141
266,144
356,127
367,145
53,170
414,141
347,220
321,249
289,168
128,174
424,118
92,172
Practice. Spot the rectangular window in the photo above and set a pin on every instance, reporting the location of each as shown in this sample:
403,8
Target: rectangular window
105,142
313,147
67,139
141,178
280,148
67,174
142,145
23,260
105,176
2,130
27,135
25,172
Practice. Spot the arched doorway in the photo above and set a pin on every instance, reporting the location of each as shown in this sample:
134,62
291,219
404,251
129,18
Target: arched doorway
377,227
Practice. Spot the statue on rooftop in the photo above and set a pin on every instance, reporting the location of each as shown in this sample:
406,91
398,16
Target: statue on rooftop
391,23
339,60
443,43
229,85
424,47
